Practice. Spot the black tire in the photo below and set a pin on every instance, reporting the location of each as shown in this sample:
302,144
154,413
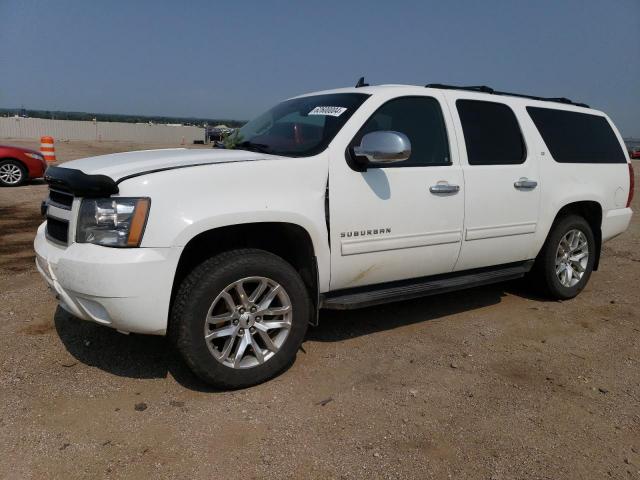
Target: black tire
20,167
196,295
545,268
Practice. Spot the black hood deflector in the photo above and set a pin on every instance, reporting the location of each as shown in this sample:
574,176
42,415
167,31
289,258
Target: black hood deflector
79,183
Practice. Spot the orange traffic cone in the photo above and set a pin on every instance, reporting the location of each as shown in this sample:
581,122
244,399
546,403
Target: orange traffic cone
47,149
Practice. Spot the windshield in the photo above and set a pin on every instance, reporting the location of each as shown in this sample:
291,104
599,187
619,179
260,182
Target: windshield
300,127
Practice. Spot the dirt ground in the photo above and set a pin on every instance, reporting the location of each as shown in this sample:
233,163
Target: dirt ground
491,383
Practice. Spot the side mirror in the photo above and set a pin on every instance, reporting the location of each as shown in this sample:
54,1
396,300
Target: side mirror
384,147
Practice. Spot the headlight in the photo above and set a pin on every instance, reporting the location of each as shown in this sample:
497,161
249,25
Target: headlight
112,222
35,156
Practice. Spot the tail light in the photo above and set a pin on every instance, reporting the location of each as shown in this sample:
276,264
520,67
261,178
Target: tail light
632,185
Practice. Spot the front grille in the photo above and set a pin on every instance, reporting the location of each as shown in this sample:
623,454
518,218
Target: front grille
58,211
58,230
60,198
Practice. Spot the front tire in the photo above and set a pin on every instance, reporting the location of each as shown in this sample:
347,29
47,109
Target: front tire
12,173
239,318
566,261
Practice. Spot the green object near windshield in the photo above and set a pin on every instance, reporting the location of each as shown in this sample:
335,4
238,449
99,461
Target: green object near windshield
299,127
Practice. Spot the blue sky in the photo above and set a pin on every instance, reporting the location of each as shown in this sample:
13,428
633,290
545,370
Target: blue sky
234,59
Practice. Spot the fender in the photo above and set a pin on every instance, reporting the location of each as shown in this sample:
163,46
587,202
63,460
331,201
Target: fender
546,219
318,238
190,201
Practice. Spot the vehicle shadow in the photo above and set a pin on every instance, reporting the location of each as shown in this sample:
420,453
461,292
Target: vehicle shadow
131,356
147,357
134,356
337,325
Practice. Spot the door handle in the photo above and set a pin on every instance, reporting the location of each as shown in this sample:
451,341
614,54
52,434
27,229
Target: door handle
524,183
444,187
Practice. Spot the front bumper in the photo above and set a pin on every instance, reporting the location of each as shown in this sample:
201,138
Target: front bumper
128,289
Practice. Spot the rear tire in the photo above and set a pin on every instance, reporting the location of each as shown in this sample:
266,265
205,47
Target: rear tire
248,301
12,173
566,260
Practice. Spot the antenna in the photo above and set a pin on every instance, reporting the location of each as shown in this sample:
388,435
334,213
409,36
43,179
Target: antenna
361,83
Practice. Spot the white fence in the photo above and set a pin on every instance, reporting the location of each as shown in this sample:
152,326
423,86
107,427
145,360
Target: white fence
34,128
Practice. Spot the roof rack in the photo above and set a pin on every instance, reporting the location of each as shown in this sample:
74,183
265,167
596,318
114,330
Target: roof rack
485,89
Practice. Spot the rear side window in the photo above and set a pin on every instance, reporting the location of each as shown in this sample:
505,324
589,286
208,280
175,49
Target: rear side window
574,137
491,133
420,119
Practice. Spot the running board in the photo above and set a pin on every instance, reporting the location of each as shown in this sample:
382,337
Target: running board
422,287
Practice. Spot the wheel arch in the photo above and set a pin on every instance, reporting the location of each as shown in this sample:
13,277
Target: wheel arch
289,241
592,212
18,161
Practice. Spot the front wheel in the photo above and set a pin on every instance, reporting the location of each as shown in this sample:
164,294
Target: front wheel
566,260
239,318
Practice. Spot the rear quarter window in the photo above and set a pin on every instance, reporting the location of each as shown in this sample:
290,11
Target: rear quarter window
574,137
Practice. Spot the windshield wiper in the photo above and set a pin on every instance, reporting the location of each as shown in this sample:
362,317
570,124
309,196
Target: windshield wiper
253,147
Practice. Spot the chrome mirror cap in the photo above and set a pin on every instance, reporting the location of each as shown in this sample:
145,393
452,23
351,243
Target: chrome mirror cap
384,147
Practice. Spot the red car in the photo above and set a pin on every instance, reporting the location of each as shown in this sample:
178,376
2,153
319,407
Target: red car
633,147
17,165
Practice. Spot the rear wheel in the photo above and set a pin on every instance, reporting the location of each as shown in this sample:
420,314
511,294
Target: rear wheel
566,260
240,317
12,173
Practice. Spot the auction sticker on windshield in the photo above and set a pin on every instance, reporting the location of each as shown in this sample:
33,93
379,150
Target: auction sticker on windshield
332,111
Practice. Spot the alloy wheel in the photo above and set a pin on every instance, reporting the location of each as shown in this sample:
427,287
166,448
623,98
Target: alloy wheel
572,257
248,322
10,174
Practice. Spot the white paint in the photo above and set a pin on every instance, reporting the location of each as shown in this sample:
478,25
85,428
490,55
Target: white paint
397,242
395,198
487,222
119,165
496,231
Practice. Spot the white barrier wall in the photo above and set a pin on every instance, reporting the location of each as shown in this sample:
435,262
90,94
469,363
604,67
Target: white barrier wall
34,128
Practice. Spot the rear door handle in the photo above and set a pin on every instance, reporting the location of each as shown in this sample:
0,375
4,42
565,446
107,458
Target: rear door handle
524,183
444,187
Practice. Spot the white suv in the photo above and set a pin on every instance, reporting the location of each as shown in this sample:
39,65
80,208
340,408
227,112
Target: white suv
337,199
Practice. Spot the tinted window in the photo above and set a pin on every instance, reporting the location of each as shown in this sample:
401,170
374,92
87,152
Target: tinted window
420,119
491,133
574,137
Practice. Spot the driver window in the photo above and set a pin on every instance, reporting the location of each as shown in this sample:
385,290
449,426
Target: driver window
420,119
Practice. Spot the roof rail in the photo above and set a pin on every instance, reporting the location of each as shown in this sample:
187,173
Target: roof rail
475,88
485,89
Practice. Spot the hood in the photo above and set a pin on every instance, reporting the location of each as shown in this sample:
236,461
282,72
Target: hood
121,165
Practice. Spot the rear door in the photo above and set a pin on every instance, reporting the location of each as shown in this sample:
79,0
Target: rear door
502,179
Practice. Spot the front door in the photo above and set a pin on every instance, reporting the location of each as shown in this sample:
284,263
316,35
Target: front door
396,221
